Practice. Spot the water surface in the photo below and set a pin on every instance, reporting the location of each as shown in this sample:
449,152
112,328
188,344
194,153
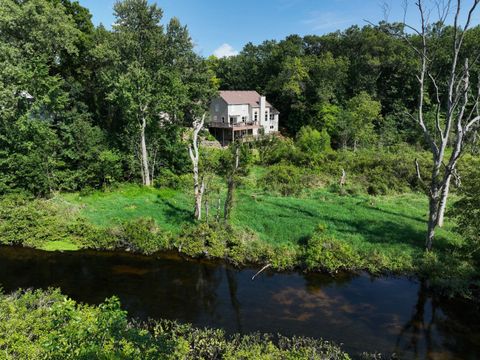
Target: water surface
388,315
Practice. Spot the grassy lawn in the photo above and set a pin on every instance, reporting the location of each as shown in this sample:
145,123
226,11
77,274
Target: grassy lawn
392,225
170,208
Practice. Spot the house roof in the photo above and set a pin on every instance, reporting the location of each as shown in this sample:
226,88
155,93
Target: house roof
236,97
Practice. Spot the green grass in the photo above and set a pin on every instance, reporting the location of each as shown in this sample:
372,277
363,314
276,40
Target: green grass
392,225
397,222
59,246
170,208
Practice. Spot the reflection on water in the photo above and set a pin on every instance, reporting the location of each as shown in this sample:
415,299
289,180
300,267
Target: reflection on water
388,315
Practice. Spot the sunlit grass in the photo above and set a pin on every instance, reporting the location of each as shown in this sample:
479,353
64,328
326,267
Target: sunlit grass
390,225
59,246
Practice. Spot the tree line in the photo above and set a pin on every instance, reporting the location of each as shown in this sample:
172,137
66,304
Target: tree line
85,106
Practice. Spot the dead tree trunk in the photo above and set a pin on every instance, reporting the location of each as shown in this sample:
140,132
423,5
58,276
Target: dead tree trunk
443,201
343,179
198,185
455,117
144,153
231,185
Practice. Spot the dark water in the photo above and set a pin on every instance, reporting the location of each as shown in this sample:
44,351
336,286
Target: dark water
388,315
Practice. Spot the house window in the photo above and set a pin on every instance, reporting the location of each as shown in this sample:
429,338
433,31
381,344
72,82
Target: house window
244,118
215,118
256,116
266,115
223,119
232,120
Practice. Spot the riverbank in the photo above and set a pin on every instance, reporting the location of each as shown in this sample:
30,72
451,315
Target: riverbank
320,231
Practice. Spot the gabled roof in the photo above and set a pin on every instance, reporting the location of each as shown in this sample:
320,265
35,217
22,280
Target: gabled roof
235,97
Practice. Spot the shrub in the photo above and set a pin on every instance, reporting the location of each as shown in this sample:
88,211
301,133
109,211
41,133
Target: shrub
285,179
48,325
327,253
167,179
32,222
467,209
203,240
312,145
141,235
275,150
380,171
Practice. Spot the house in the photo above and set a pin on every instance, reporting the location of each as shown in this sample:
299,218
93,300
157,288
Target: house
239,114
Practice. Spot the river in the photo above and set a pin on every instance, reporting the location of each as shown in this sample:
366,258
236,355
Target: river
385,314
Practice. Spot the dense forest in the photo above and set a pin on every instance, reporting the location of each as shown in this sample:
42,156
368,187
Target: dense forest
86,106
79,104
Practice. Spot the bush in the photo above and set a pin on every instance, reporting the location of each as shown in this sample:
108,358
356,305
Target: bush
167,179
313,145
275,150
203,240
467,210
141,235
48,325
32,222
285,179
380,171
327,253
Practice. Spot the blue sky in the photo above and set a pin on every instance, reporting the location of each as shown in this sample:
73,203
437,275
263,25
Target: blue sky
223,27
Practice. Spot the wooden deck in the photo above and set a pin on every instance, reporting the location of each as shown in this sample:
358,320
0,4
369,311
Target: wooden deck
234,127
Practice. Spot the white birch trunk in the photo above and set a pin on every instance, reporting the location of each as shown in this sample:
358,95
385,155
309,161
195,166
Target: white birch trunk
198,187
443,201
144,154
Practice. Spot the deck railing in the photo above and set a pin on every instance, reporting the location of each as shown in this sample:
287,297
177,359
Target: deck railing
235,125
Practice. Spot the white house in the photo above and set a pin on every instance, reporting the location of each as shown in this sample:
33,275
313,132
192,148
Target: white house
236,114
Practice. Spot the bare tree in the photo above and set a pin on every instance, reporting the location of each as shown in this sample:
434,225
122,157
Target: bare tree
455,102
143,148
198,184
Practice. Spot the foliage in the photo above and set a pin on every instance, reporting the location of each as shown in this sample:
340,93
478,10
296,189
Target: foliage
356,124
327,253
141,236
71,94
378,171
381,171
312,144
285,179
467,210
48,325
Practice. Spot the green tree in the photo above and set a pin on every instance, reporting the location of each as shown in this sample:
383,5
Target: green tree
356,125
312,141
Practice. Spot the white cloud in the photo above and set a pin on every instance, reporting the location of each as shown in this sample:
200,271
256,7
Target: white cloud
325,20
225,50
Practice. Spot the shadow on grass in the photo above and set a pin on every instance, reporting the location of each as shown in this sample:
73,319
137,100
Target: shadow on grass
393,213
297,209
389,233
175,214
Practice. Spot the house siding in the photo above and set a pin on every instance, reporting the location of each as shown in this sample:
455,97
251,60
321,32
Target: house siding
218,109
